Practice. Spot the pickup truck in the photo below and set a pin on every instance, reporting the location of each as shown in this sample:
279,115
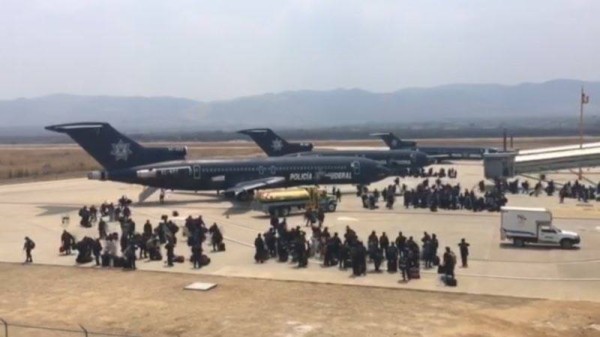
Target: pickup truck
533,225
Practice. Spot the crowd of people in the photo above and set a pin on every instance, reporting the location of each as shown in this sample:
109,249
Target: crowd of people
429,173
403,254
122,248
114,249
579,191
434,196
569,190
450,197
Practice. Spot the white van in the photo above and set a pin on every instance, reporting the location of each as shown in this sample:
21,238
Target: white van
522,225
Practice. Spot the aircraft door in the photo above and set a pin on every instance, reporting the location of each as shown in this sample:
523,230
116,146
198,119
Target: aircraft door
197,171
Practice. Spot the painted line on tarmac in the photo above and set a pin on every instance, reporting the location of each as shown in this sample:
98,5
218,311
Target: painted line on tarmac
469,214
521,278
595,260
346,218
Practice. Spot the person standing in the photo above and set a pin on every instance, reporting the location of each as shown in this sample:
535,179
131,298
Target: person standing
102,229
259,245
321,216
67,241
161,196
28,247
197,254
403,265
384,243
96,249
464,252
449,263
170,246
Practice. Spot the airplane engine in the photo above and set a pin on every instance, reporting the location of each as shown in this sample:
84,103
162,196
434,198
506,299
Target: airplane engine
146,174
178,151
167,153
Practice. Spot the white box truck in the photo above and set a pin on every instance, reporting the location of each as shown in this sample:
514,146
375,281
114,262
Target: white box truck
523,225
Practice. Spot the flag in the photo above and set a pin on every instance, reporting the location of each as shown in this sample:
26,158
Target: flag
585,99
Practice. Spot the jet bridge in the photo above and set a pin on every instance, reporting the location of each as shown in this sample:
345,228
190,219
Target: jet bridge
509,164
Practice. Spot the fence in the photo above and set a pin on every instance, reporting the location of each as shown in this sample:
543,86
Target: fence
25,330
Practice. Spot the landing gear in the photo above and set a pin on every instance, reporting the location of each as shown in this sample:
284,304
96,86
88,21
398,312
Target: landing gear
245,196
284,212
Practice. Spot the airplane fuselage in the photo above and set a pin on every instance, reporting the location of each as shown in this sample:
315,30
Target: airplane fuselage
202,175
456,152
392,159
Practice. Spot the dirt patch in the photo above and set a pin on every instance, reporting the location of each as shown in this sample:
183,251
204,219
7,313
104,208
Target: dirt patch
154,304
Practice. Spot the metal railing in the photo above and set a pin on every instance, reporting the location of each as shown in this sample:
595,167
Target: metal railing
23,330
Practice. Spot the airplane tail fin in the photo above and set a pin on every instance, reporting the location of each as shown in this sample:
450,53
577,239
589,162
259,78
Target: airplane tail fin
393,142
273,145
112,149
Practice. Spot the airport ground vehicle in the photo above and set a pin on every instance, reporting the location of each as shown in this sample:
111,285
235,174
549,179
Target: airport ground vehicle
523,225
283,202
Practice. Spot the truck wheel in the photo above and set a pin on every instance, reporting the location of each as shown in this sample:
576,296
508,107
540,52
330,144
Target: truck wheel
566,244
283,212
331,207
243,196
519,243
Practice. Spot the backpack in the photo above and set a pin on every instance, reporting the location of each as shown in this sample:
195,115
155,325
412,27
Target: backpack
32,244
453,258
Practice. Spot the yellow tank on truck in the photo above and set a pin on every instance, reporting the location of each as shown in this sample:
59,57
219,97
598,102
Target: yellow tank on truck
283,195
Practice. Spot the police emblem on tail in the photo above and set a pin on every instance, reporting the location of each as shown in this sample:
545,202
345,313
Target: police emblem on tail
121,150
277,145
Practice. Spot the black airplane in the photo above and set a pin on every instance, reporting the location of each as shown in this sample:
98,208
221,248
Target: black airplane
435,152
126,161
395,160
273,145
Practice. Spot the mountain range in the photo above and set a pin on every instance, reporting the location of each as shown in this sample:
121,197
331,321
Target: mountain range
455,103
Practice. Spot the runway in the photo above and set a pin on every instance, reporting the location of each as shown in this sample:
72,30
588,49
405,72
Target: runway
36,210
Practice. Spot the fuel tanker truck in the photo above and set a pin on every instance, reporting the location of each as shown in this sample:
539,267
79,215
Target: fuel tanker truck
283,202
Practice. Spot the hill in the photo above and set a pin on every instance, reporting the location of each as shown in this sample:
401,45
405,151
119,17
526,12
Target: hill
450,104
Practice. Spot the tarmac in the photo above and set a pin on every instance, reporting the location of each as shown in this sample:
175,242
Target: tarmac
495,268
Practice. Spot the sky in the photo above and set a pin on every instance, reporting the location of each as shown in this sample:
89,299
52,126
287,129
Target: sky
214,50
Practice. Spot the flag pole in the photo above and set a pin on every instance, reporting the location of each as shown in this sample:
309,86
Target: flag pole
581,102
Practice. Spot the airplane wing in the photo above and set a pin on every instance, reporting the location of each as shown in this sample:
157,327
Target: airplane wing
401,162
254,184
439,156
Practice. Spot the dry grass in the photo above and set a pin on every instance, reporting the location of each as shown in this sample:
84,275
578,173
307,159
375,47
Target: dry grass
44,162
154,304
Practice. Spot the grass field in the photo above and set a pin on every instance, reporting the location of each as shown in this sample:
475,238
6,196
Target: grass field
43,162
155,304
